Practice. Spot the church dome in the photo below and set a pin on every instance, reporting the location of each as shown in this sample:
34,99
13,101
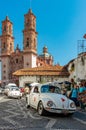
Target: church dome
45,52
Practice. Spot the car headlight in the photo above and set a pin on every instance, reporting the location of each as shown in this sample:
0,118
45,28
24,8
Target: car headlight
72,105
50,103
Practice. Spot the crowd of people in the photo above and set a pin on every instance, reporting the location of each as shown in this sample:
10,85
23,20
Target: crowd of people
78,94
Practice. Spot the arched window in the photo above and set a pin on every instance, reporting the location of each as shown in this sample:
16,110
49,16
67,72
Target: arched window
4,28
4,71
35,43
4,77
4,65
16,60
10,46
72,67
82,60
10,29
27,42
4,45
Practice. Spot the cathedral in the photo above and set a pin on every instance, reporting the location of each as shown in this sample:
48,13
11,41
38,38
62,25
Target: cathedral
15,59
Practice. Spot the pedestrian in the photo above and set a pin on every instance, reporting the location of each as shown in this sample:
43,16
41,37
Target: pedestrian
27,90
81,96
74,94
72,83
52,89
64,92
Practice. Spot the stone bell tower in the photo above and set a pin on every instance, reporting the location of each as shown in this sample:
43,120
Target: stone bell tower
7,47
30,40
7,40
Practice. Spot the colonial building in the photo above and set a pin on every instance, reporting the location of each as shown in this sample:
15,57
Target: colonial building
77,67
42,74
13,60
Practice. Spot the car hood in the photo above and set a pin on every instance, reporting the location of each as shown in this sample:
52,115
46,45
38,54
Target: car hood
59,100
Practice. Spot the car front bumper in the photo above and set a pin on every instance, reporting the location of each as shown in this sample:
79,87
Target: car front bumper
60,111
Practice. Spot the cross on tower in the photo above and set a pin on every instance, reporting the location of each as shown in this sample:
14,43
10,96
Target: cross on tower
30,3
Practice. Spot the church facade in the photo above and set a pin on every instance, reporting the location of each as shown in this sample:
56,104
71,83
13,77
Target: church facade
13,60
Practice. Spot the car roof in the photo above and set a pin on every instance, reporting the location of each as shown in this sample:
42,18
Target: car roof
11,84
34,84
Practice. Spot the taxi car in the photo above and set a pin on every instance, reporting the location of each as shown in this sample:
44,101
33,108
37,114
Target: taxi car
47,97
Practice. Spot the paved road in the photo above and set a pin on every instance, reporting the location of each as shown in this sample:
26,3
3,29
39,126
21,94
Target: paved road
15,116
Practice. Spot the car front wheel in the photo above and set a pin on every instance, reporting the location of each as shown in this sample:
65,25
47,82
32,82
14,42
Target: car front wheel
41,110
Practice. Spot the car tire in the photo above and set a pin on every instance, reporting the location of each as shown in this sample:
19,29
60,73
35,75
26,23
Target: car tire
19,97
41,110
70,114
27,106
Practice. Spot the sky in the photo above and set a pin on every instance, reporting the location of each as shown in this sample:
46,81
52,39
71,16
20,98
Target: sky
59,23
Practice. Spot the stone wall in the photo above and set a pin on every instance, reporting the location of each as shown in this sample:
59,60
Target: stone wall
41,79
77,68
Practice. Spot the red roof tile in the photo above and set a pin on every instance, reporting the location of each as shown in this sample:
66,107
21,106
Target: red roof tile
47,70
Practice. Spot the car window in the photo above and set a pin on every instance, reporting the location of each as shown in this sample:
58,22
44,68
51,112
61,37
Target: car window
45,88
57,90
13,86
50,89
17,89
36,89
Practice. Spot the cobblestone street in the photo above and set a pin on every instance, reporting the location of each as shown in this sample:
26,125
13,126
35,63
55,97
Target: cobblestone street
15,116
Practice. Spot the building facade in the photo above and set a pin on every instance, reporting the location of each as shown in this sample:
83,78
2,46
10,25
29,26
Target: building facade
42,74
77,67
13,60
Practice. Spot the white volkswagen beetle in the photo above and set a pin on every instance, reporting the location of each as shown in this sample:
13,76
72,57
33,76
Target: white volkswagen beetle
47,97
14,92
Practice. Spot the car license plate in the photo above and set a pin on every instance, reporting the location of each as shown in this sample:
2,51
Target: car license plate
64,111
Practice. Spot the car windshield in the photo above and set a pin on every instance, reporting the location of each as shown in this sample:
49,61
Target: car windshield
10,86
14,89
50,89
